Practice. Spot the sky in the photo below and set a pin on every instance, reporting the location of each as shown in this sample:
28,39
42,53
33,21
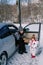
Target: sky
12,2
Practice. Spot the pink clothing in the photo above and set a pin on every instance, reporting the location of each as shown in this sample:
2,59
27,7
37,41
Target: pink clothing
33,48
32,56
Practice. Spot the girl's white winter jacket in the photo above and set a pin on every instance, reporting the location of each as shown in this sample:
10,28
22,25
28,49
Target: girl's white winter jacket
33,47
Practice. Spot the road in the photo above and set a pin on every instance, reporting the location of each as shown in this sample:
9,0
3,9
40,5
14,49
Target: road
24,59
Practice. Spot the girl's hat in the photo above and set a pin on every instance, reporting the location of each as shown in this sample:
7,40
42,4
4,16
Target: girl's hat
33,36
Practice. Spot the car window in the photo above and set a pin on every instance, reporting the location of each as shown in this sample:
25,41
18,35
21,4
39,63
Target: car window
4,32
12,28
32,27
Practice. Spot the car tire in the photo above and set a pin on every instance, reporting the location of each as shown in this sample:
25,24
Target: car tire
3,59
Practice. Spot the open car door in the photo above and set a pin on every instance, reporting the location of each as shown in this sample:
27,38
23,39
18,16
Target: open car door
33,28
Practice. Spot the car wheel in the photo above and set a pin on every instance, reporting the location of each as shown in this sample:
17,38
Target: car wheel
3,59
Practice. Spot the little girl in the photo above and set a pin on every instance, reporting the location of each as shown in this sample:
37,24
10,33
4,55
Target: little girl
33,48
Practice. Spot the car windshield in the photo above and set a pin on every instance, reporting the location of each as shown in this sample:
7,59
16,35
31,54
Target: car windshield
7,29
4,32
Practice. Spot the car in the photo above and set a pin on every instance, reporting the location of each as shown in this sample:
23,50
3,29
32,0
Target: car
7,41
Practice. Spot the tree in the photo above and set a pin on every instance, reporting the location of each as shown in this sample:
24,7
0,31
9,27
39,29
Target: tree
5,10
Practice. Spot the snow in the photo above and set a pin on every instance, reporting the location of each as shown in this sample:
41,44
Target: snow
25,59
40,59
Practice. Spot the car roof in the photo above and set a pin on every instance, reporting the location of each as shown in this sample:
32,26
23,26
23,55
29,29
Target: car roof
7,24
2,24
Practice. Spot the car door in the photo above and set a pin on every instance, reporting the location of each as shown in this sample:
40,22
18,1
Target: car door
41,35
31,29
9,44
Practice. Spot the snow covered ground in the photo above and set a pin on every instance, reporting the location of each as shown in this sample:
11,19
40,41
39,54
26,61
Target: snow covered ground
24,59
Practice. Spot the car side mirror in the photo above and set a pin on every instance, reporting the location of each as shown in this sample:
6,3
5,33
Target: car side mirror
26,29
